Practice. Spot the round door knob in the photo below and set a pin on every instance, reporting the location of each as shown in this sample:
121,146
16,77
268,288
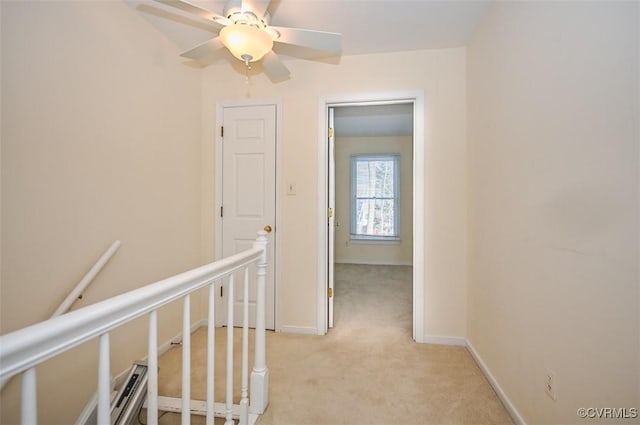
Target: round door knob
267,228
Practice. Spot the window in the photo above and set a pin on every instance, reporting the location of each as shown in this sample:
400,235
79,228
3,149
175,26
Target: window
375,192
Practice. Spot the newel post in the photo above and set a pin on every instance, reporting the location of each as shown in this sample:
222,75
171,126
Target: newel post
259,398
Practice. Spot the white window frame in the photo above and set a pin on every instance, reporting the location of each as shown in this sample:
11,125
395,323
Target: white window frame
396,197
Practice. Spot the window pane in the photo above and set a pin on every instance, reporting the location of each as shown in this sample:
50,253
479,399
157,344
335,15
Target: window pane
363,180
384,179
375,217
374,178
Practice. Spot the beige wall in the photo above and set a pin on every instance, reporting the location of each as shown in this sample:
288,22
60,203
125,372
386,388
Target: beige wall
100,141
553,211
368,252
441,75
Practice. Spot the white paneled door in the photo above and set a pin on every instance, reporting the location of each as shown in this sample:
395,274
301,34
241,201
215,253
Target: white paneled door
249,195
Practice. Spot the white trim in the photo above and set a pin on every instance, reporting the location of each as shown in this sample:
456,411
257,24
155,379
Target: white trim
220,105
364,240
374,262
417,98
511,408
303,330
419,142
444,340
323,201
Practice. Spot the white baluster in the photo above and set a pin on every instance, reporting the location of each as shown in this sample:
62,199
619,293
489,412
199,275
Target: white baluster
260,373
244,397
29,413
104,381
211,352
230,300
152,370
186,361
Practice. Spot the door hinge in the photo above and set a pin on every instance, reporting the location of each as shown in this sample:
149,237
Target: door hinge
330,132
330,212
221,211
330,292
221,290
221,131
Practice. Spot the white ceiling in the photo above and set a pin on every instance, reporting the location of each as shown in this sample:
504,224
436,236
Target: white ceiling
367,26
379,26
374,120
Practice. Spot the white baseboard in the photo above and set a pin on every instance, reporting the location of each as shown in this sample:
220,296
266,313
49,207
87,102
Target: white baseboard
444,340
374,262
458,341
304,330
515,415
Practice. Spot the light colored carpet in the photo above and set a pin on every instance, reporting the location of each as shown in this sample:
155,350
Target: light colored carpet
367,370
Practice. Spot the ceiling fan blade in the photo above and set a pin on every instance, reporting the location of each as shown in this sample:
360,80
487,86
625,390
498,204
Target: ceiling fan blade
327,42
274,68
259,7
193,9
207,51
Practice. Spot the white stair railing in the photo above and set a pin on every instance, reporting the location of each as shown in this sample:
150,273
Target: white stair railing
77,291
21,351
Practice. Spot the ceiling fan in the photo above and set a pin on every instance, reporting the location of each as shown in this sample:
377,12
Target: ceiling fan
243,28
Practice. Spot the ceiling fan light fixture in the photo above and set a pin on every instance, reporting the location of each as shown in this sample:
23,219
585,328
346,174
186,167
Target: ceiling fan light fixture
246,42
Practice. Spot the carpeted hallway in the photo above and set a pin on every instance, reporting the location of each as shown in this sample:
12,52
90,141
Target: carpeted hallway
367,370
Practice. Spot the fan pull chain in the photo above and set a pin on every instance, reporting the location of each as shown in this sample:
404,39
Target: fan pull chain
247,64
248,80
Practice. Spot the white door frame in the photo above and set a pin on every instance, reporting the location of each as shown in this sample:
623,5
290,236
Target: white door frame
220,105
331,221
417,98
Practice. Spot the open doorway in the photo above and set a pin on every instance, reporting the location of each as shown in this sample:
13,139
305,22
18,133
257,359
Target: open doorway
368,114
373,224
